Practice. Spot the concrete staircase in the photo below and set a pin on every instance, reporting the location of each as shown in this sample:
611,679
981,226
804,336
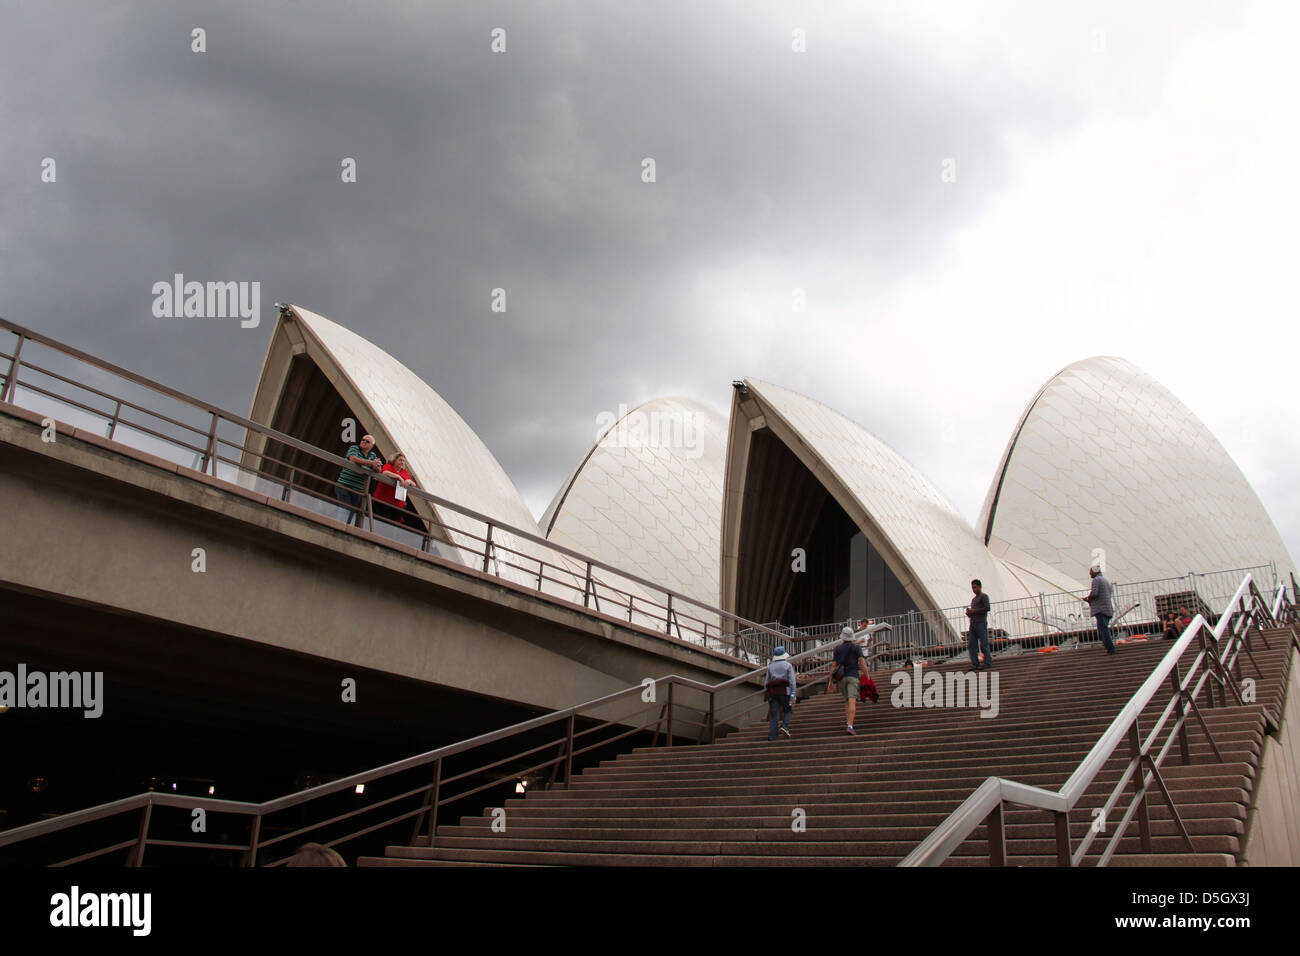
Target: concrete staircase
870,798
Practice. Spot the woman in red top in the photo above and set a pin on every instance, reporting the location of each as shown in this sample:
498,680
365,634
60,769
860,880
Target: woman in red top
386,504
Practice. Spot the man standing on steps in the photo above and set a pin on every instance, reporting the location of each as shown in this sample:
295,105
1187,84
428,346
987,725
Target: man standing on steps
1100,606
849,666
978,639
782,685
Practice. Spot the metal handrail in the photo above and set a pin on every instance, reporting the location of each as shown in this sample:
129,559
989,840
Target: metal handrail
902,646
431,797
986,803
659,604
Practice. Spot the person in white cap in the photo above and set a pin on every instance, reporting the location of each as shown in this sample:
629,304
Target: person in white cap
779,692
850,667
1101,606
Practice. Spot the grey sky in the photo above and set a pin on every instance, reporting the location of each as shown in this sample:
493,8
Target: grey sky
1123,186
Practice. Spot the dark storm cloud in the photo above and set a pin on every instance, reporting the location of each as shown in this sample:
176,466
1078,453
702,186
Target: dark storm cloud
478,171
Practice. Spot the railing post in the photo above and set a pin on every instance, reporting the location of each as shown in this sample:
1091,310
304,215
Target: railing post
209,453
254,838
1144,818
713,696
288,488
1062,838
670,714
586,588
1183,744
668,617
1205,651
568,754
137,857
487,548
1216,648
433,798
11,381
112,425
997,837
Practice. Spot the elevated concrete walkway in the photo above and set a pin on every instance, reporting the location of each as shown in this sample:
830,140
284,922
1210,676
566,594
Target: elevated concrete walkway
95,523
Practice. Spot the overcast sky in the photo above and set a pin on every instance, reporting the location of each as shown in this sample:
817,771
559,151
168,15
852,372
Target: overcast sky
971,196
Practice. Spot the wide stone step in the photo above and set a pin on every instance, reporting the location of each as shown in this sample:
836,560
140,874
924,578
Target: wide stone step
776,764
1210,774
753,817
489,850
399,861
951,797
1244,732
508,858
895,740
895,829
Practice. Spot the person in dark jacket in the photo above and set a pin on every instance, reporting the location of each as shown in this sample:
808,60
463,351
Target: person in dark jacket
1101,604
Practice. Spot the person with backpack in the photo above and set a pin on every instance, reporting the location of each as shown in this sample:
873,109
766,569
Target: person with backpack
850,667
779,692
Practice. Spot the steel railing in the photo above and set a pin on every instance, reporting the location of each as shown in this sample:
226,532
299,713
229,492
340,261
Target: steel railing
671,719
1217,663
222,444
1044,621
419,787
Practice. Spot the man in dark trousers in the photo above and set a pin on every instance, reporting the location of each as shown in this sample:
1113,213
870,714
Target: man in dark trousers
351,486
978,639
781,690
1101,606
849,667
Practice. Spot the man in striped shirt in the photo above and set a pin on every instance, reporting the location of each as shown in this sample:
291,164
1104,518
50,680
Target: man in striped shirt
352,484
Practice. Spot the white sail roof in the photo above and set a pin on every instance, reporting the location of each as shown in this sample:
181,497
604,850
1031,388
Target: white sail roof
936,552
1106,457
447,458
647,498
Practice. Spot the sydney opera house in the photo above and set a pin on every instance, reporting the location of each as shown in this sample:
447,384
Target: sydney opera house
789,512
245,644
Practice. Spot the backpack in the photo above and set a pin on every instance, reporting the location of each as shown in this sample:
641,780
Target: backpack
839,671
780,687
776,688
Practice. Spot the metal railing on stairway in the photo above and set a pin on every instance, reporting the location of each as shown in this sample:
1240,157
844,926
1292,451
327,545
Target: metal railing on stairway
1041,622
414,790
1218,663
